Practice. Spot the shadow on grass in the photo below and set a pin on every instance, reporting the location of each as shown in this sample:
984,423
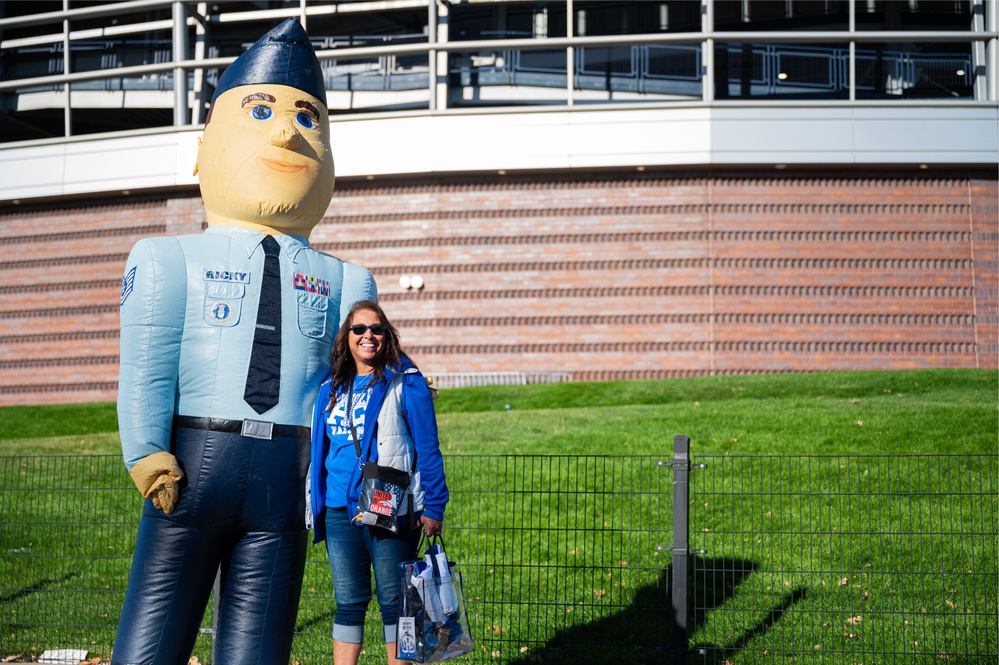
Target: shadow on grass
41,585
643,633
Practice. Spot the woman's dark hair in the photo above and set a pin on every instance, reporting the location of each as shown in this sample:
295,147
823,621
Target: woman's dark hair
342,365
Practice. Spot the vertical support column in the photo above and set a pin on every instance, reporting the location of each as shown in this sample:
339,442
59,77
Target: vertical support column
432,53
180,114
852,64
991,51
979,60
708,52
67,112
198,109
570,53
439,84
681,552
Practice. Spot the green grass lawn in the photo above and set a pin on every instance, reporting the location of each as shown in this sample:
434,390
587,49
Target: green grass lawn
558,555
924,411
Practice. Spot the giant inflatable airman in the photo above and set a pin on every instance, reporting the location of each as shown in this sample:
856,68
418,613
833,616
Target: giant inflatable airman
225,336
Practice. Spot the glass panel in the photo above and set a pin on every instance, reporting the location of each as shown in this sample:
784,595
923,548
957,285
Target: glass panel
638,73
923,71
633,18
507,77
914,14
31,62
732,15
515,20
383,83
822,72
30,124
114,105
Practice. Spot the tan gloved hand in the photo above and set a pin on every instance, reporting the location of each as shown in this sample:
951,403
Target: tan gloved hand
157,477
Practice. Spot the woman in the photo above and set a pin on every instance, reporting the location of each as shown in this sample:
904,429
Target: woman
372,381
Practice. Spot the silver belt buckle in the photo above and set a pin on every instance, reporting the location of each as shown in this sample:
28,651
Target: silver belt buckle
258,429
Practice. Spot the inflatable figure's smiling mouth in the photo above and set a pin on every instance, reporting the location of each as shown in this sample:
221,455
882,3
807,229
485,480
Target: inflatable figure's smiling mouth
283,167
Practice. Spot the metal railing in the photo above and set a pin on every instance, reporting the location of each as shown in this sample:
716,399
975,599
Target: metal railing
663,559
663,66
466,379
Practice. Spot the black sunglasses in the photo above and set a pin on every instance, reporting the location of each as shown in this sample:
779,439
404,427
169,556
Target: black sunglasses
376,329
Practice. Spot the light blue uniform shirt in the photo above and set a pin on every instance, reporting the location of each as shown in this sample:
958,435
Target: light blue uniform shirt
188,312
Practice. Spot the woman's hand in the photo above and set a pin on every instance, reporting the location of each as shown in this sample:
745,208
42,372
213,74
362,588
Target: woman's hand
431,527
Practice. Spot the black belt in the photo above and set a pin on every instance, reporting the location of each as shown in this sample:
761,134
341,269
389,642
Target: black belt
257,429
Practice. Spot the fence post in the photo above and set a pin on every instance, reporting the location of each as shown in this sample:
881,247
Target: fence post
681,505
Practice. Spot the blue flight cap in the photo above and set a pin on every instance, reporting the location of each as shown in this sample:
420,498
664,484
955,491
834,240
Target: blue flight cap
284,56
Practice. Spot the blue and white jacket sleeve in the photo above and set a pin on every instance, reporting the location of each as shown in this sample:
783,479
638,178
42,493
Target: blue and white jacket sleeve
153,305
422,421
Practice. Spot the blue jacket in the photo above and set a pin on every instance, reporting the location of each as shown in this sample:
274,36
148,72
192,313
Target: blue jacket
418,411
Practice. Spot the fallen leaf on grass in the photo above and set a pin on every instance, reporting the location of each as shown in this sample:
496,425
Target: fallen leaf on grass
853,621
497,629
599,593
844,581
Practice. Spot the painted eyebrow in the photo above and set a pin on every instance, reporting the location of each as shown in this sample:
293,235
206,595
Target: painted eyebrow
301,104
258,97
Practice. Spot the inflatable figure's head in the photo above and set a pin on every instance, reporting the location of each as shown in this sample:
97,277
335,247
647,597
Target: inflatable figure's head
265,161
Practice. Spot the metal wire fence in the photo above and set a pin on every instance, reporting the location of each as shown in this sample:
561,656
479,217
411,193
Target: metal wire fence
583,559
846,559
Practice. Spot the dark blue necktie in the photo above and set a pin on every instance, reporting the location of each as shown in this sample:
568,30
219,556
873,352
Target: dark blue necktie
263,378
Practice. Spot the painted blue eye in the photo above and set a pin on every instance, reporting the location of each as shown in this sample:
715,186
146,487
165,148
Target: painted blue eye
261,112
306,120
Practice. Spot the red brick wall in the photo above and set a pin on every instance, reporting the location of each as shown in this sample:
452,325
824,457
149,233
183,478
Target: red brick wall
603,276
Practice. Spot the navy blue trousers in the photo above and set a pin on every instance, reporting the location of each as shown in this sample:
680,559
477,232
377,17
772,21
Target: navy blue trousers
241,511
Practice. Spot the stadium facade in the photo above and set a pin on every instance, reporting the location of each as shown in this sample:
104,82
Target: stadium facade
566,188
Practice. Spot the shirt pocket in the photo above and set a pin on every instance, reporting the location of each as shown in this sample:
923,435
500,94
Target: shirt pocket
312,313
223,303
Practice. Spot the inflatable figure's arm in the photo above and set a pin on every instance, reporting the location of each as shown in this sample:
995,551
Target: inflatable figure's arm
358,284
153,304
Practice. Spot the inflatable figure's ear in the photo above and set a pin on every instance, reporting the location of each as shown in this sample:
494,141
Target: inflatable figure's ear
195,160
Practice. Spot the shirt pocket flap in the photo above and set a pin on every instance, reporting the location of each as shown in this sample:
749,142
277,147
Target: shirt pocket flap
225,290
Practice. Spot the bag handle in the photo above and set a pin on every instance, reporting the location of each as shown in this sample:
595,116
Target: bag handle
350,417
432,540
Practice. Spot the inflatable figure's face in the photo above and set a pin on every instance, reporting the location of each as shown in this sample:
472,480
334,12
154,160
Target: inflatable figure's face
265,161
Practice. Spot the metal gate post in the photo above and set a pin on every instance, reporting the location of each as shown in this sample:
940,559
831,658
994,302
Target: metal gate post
681,516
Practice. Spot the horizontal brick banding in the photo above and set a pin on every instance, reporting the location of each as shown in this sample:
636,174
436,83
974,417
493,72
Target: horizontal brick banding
605,276
136,231
64,261
62,286
59,312
59,362
60,337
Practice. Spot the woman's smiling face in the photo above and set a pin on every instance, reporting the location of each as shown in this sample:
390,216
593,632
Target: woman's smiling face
366,348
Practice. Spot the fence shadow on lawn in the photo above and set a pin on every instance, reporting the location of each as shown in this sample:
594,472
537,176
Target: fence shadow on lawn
651,616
